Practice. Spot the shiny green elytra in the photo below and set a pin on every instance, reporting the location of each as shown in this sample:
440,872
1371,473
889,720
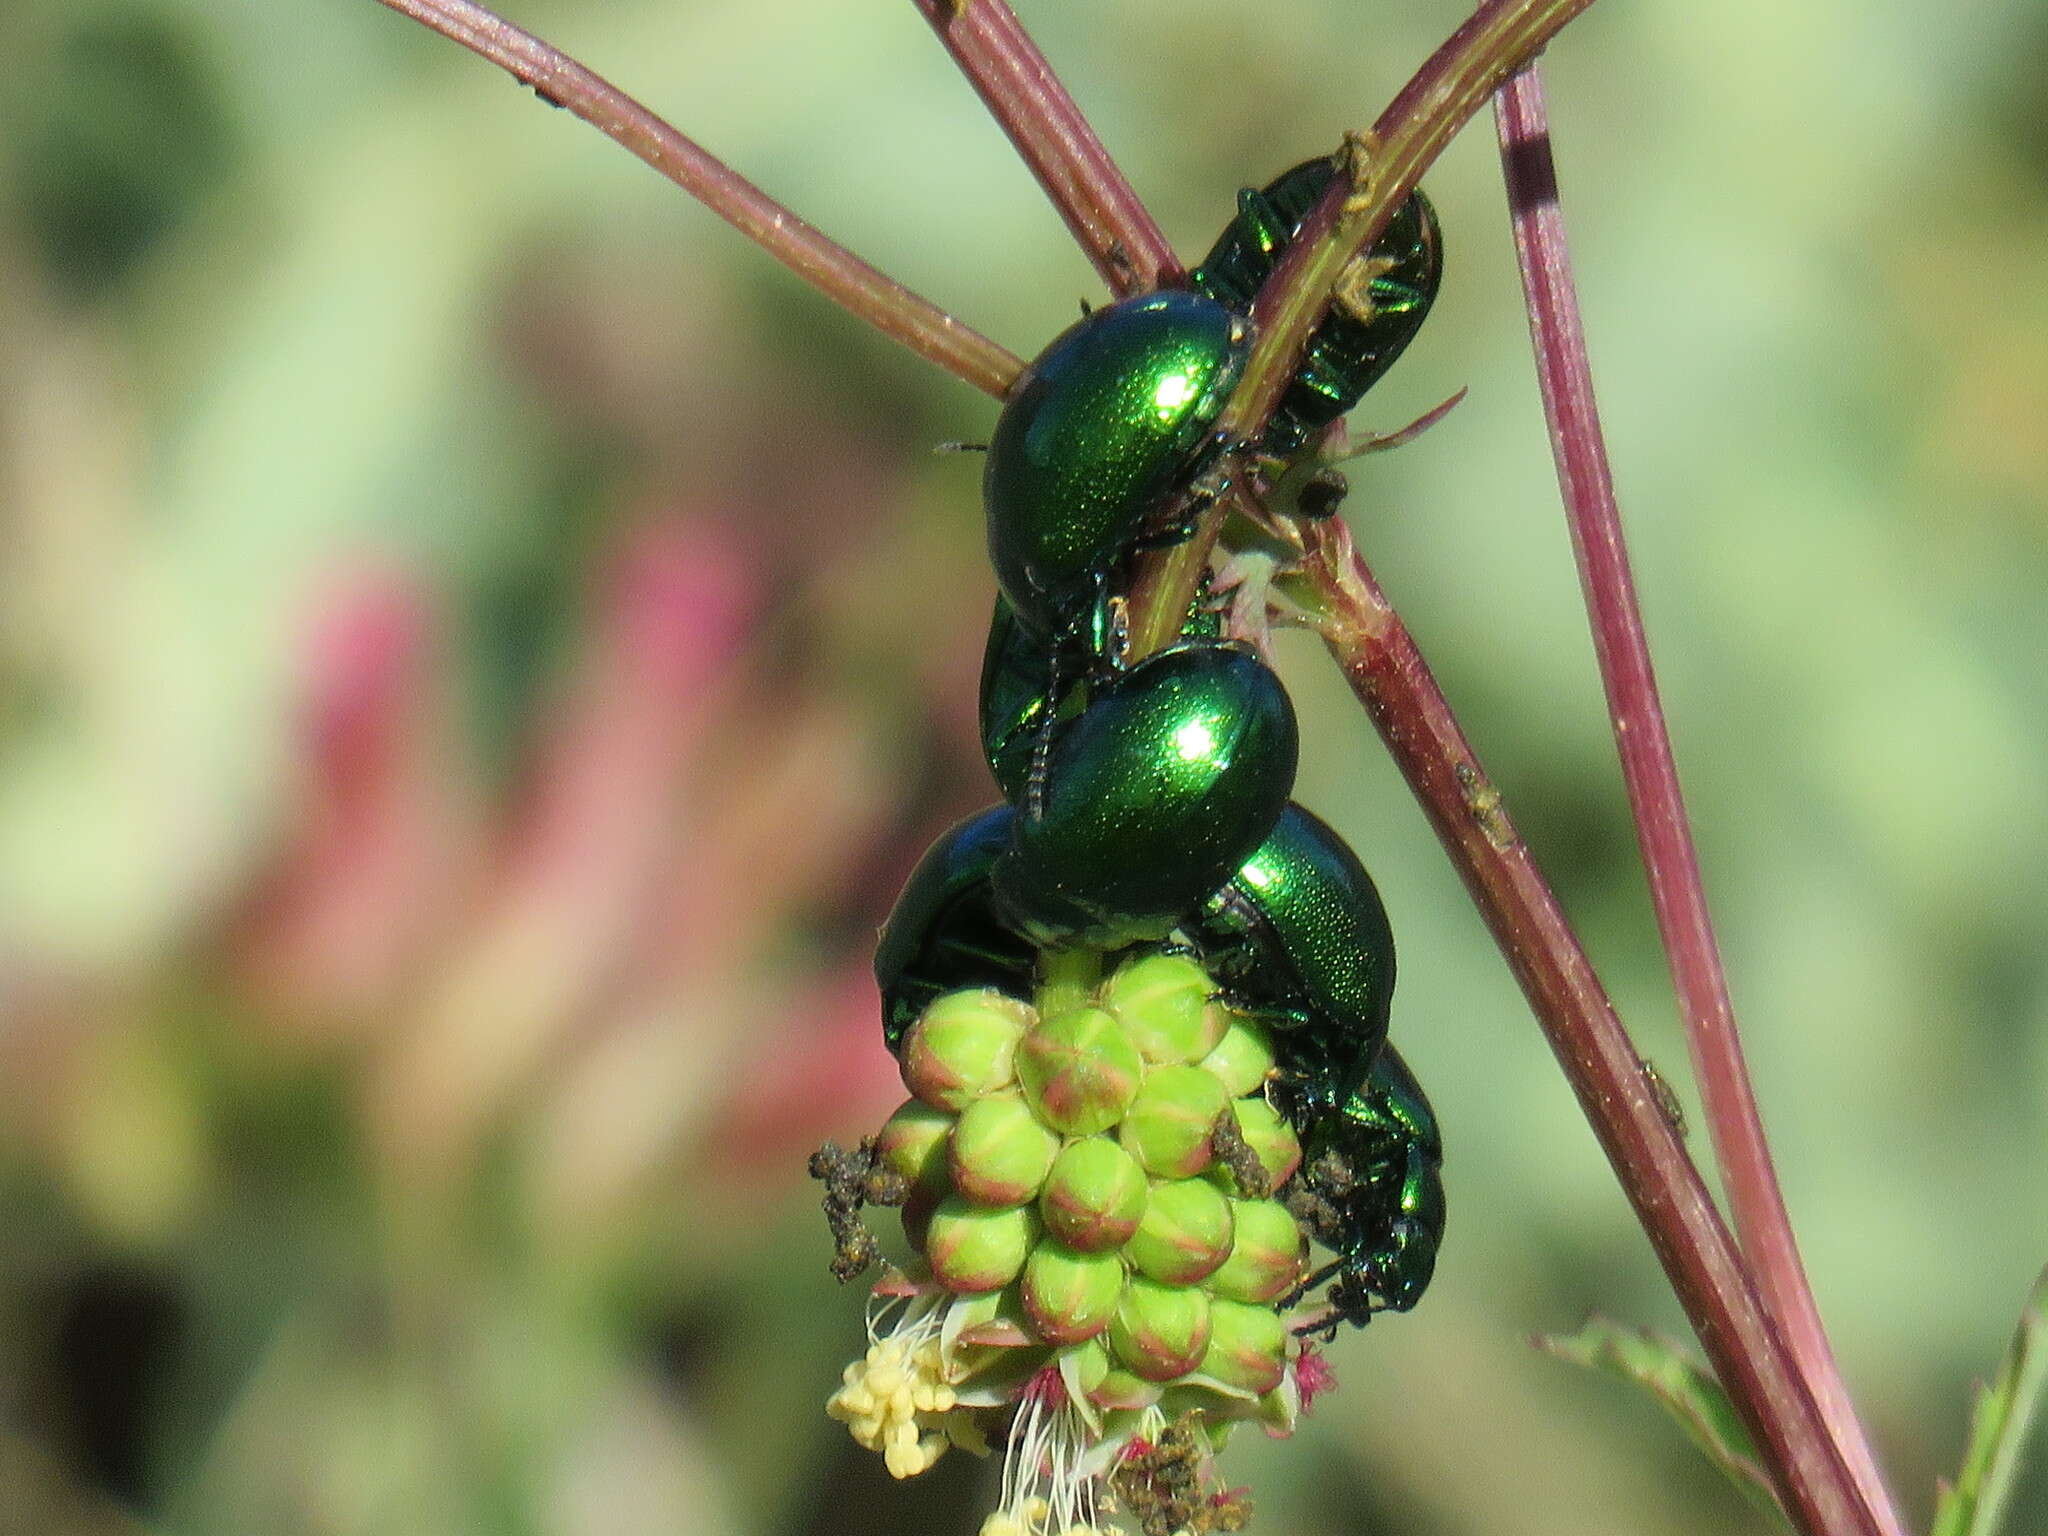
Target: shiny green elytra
943,932
1371,1190
1016,701
1152,797
1018,675
1299,939
1107,421
1347,352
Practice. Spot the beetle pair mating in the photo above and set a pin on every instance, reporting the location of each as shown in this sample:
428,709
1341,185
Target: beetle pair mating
1147,803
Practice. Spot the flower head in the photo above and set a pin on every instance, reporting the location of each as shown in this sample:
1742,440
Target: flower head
1100,1268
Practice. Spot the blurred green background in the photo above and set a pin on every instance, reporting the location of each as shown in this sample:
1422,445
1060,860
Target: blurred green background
480,647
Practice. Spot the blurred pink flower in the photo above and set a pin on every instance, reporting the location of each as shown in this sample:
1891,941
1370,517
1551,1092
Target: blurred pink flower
603,957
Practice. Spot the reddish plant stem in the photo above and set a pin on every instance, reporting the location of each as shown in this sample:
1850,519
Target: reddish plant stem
1453,84
1028,102
1663,831
823,263
1706,1270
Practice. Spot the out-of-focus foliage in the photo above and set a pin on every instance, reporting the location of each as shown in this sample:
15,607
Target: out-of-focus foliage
479,649
2001,1431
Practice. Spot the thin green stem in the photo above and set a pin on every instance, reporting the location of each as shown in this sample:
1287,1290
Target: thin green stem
829,267
1067,979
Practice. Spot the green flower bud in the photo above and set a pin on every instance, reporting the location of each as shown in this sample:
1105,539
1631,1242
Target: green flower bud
1071,1296
1093,1196
1123,1388
1168,1124
963,1046
1242,1058
1001,1152
1266,1255
913,1142
1160,1331
1184,1234
1165,1001
992,1321
1247,1347
1279,1411
972,1249
1085,1367
1080,1071
1268,1134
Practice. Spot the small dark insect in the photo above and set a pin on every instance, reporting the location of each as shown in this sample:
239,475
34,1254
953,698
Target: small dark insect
1247,1171
854,1180
1164,1486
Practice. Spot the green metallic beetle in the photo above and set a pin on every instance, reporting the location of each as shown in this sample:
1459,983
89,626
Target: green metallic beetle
943,932
1108,422
1151,798
1371,1190
1299,939
1349,350
1017,679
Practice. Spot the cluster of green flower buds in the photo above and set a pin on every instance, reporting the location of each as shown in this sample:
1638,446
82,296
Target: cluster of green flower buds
1075,1155
1090,1195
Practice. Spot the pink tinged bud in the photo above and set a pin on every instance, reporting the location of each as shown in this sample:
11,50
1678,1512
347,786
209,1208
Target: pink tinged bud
1071,1296
1084,1366
1184,1234
1001,1152
918,1210
1165,1003
963,1046
913,1143
1247,1347
972,1249
1160,1331
1266,1258
1080,1071
1268,1134
1279,1411
992,1321
1126,1389
1168,1125
1093,1196
1242,1058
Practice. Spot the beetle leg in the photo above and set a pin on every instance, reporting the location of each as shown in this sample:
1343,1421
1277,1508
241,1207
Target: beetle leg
1041,748
1355,284
1315,1281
